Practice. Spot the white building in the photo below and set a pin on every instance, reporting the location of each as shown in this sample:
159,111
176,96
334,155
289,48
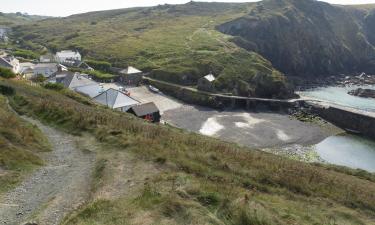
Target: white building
45,69
68,56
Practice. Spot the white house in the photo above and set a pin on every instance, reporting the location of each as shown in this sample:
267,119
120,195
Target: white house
45,69
68,56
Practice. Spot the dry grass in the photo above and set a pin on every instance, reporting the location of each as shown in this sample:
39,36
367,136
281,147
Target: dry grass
19,143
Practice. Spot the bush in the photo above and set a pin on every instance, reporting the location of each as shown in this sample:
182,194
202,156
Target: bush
26,54
100,65
6,90
54,86
6,73
39,78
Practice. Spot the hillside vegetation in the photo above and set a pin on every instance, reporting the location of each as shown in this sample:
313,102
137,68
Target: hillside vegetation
176,43
19,144
11,19
308,37
195,179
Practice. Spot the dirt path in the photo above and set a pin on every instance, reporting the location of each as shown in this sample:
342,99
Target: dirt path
54,190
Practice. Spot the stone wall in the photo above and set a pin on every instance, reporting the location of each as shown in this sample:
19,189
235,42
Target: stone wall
348,120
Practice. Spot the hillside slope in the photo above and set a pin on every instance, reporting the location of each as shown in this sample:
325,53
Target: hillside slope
19,144
11,19
177,43
193,179
308,37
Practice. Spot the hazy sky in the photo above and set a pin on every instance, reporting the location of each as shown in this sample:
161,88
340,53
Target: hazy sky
68,7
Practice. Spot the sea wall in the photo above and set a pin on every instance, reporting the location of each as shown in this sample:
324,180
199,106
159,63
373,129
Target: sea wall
192,96
347,119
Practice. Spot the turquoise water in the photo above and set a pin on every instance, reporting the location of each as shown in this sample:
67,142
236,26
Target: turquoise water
340,96
348,150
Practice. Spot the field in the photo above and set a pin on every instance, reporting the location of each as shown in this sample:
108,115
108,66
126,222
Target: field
194,179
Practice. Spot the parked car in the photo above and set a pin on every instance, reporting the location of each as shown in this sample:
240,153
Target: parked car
153,89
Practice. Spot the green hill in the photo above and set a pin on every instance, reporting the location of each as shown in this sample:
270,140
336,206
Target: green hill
308,37
11,19
177,43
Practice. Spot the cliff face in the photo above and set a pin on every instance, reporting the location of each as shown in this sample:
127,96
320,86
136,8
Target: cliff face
307,37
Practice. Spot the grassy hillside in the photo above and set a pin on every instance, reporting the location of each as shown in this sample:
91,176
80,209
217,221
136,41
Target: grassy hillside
12,19
194,179
19,143
307,37
177,43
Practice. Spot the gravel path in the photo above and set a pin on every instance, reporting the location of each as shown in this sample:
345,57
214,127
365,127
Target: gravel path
54,190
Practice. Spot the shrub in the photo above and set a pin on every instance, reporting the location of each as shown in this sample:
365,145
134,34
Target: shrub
54,86
39,78
6,90
100,65
6,73
26,54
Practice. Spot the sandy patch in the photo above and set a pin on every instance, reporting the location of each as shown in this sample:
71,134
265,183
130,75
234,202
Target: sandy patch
281,135
211,127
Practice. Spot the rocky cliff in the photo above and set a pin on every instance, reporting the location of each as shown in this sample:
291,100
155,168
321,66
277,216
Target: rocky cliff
307,37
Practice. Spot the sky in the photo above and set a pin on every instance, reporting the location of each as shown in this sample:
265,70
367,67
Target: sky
69,7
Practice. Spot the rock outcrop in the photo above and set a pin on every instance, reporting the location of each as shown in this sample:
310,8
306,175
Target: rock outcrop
308,37
365,93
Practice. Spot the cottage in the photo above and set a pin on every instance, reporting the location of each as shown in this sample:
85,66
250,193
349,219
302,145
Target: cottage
26,70
68,56
26,66
148,111
115,99
45,69
206,83
130,76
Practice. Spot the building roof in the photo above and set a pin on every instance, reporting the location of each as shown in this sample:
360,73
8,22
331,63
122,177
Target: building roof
74,80
90,90
47,57
45,65
68,54
130,70
26,67
115,99
145,109
210,77
5,63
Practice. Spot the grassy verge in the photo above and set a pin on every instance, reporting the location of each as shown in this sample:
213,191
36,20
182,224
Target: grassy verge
19,143
204,181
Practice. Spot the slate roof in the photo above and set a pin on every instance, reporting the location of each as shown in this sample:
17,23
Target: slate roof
45,65
145,109
90,90
74,80
5,63
115,99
